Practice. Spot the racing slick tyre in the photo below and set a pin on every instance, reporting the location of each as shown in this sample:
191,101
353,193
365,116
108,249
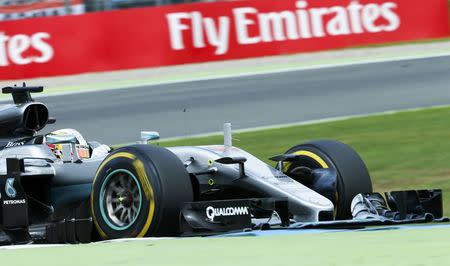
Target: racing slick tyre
138,191
352,175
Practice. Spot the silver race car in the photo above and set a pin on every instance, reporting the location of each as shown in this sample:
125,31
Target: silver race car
58,188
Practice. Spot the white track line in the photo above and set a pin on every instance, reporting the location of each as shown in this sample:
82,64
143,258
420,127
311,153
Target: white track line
122,240
31,246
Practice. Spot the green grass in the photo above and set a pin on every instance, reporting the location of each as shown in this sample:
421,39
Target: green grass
402,151
390,247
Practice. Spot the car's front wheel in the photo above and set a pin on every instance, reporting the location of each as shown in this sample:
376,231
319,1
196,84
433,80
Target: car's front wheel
138,191
345,164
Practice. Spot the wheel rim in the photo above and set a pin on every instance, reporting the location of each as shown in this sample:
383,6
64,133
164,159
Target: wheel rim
120,199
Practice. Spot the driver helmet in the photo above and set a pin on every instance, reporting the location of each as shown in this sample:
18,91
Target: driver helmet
57,138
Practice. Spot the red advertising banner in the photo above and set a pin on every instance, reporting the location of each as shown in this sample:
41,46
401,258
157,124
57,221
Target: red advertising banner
179,34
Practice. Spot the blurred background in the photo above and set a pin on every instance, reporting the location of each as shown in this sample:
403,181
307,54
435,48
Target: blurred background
20,9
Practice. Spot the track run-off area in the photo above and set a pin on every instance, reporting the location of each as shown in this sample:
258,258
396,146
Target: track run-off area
425,246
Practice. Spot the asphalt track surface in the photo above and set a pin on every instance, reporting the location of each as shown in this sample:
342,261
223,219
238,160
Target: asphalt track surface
117,116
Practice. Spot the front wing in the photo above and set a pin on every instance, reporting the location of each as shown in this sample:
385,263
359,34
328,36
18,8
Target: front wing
213,217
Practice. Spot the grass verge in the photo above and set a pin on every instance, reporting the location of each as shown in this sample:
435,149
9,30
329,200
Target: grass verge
388,247
406,150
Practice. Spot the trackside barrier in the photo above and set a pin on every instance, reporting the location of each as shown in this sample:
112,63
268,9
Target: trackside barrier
189,33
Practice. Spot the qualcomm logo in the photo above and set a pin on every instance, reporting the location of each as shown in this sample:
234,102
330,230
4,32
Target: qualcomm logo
212,212
9,188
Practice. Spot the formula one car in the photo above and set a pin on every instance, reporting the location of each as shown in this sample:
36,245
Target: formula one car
58,188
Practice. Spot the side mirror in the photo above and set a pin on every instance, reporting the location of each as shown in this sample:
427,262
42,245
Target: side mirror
146,136
51,120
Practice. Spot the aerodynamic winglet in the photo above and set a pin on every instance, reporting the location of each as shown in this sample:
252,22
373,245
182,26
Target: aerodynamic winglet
284,158
231,160
234,160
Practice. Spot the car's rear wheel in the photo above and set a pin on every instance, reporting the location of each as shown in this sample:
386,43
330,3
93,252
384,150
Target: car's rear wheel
352,174
138,191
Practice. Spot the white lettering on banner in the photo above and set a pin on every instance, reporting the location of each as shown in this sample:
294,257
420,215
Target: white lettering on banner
197,33
16,46
242,22
387,11
176,29
12,49
301,23
216,35
339,24
39,44
275,22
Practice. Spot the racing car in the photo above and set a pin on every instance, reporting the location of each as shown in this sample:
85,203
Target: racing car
59,188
